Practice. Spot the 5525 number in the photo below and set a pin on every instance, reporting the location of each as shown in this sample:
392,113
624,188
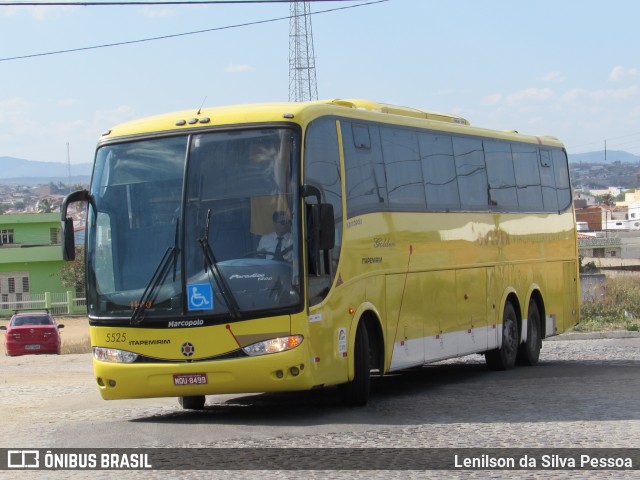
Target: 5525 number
116,337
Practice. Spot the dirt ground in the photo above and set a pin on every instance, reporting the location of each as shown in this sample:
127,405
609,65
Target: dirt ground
76,330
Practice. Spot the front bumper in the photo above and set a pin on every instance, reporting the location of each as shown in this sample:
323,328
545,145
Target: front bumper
285,371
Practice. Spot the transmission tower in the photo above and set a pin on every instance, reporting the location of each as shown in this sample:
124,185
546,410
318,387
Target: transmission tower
302,60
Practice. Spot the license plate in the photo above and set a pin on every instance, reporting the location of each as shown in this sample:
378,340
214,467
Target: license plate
185,379
32,347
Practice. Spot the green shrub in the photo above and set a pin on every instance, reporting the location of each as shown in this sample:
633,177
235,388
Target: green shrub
619,307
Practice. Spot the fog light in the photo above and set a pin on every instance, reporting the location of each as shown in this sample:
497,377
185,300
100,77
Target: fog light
279,374
294,371
112,383
100,382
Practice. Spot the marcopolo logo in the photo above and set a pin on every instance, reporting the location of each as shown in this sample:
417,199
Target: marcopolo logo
185,323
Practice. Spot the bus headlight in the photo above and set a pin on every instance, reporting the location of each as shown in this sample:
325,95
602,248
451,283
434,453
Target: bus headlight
275,345
114,355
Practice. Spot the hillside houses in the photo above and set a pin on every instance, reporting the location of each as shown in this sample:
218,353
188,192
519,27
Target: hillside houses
31,199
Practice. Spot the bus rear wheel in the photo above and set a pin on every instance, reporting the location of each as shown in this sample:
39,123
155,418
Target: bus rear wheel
529,351
356,392
195,402
504,358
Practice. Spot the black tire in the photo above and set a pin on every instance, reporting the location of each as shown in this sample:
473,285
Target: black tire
356,392
195,402
504,358
529,351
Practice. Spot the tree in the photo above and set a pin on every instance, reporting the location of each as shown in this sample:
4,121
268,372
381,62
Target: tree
44,206
607,199
72,275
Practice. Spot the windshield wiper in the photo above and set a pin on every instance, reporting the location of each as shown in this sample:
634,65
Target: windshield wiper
212,264
158,278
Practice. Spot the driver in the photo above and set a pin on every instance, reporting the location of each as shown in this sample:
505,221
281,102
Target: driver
278,244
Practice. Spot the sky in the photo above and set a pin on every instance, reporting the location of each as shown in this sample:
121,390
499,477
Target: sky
558,67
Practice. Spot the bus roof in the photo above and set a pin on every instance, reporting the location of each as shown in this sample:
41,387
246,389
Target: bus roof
306,111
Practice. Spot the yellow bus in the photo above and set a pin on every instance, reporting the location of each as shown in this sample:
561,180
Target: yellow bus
294,246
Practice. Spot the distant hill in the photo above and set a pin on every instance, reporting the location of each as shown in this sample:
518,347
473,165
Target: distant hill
599,157
18,170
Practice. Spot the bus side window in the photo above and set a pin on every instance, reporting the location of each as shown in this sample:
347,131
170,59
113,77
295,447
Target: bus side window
547,177
472,173
365,178
502,181
439,170
563,186
525,163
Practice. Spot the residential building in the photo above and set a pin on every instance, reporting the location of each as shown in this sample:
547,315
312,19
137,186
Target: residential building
590,246
30,257
596,218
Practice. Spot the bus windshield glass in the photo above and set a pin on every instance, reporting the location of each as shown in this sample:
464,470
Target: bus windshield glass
204,224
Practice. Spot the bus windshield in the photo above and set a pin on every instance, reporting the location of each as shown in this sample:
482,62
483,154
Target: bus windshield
205,224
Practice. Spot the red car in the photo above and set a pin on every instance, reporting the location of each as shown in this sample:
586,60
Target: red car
32,332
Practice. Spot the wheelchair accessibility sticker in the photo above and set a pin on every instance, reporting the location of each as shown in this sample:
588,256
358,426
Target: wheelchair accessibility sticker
200,296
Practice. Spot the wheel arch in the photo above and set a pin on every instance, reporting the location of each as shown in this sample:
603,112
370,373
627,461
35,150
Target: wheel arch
369,316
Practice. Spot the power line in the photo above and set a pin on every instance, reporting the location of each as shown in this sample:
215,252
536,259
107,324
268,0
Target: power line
167,2
175,35
582,146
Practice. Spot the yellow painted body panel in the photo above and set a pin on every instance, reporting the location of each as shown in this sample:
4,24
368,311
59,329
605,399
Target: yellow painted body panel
452,272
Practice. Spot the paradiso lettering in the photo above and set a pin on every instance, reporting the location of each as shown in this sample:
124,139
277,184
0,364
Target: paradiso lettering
354,222
261,277
383,243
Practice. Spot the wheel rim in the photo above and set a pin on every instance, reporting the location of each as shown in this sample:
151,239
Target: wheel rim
510,336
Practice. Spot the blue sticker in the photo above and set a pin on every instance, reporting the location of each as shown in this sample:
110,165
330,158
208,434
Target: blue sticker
200,296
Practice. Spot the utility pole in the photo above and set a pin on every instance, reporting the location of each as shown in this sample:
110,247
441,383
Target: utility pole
302,60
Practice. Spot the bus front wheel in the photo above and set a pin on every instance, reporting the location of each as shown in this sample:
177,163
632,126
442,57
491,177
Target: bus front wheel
195,402
356,392
504,358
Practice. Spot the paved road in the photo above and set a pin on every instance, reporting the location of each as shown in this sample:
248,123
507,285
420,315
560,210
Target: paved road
584,394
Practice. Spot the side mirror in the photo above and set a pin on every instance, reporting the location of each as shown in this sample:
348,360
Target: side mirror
68,239
321,235
66,223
